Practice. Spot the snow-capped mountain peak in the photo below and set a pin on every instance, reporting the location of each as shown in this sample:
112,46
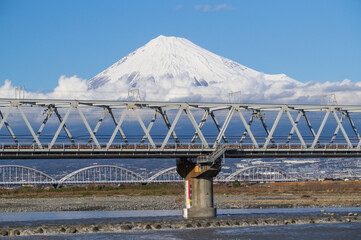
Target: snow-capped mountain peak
171,68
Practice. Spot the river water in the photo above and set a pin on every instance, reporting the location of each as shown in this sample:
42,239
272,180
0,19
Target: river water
306,231
329,231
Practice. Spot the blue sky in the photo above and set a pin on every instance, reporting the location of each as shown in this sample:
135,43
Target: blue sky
311,40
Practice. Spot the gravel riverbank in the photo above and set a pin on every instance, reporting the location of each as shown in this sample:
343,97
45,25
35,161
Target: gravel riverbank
171,202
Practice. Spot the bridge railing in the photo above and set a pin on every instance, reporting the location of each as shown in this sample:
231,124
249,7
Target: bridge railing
174,147
114,147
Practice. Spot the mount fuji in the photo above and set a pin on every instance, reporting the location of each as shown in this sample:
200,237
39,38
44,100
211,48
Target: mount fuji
173,69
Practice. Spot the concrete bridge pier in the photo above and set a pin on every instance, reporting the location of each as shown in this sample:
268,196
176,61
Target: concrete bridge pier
198,180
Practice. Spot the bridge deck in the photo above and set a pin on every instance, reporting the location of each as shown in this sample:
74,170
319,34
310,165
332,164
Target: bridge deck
174,151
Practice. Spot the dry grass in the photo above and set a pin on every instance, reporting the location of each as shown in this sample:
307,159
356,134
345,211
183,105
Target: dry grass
304,190
93,190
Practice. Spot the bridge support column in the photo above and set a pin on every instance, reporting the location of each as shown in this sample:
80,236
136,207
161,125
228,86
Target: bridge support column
198,179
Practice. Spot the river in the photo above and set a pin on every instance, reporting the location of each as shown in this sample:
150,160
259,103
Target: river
305,231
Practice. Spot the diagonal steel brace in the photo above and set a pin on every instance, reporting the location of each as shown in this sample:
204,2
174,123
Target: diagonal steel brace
150,126
8,126
64,126
166,120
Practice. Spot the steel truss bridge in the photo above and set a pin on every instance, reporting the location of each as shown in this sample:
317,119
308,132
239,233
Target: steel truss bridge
189,129
12,175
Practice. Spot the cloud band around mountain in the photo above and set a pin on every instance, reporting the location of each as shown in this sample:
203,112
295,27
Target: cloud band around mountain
346,92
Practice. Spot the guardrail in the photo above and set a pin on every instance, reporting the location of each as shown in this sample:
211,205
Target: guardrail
172,147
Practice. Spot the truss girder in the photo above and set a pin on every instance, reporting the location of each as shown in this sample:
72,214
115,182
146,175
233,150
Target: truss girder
203,121
143,127
97,126
315,141
150,126
352,125
116,124
62,123
337,129
29,127
66,130
195,125
294,114
259,116
293,128
4,122
218,126
339,126
166,120
117,128
248,129
270,134
249,125
171,128
225,125
308,123
88,127
48,114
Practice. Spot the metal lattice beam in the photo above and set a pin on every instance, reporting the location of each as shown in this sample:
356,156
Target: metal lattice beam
4,122
202,140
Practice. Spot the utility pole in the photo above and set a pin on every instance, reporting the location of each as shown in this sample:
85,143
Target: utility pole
19,92
134,95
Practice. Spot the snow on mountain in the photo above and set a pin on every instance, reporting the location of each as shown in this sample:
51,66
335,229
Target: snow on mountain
175,69
172,68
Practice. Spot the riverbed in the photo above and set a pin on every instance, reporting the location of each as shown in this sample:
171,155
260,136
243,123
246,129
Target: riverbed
122,202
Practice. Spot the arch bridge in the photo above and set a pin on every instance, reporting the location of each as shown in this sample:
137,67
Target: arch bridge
102,174
260,174
20,175
98,174
107,174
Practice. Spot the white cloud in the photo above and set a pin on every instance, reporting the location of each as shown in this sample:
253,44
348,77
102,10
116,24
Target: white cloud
7,90
72,87
214,8
68,88
260,90
223,7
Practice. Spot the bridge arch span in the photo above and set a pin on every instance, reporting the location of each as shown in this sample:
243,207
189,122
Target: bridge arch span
166,175
260,174
102,174
15,174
